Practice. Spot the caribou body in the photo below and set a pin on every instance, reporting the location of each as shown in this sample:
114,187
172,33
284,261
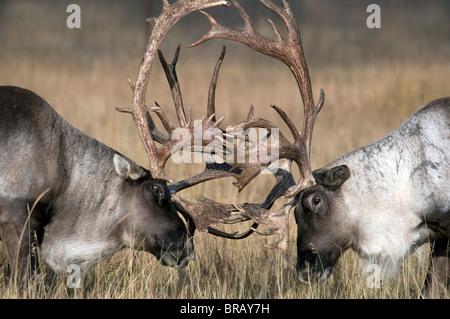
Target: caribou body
383,200
90,200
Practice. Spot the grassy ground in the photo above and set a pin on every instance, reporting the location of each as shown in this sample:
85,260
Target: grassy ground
225,269
373,80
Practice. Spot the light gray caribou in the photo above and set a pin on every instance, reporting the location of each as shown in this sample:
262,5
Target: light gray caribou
383,201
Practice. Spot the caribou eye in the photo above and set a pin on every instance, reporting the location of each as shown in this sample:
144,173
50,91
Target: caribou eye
316,200
156,190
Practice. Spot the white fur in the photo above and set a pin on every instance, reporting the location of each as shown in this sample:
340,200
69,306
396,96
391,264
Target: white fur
82,252
386,230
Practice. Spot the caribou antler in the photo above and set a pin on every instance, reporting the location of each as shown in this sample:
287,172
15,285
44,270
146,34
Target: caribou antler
289,50
207,214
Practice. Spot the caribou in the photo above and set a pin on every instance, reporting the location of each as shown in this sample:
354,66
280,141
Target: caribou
383,201
76,198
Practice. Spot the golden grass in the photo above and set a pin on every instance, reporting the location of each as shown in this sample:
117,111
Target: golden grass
364,102
223,269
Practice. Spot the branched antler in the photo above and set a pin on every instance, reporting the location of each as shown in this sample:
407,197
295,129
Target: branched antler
207,214
289,50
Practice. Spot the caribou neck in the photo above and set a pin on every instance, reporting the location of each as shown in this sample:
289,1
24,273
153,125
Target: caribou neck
391,188
90,179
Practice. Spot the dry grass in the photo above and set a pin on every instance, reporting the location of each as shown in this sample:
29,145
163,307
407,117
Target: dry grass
364,102
224,269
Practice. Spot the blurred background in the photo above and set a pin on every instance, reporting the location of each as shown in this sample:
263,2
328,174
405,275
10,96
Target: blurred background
333,31
374,79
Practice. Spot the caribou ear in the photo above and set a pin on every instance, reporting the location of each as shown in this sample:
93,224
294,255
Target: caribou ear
332,178
127,169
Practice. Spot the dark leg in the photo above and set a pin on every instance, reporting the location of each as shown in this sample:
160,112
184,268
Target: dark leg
437,282
17,232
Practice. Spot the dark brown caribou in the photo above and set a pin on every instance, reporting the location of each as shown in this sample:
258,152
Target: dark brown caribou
78,199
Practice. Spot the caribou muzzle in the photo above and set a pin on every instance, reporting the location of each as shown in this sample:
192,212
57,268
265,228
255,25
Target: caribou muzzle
176,253
312,266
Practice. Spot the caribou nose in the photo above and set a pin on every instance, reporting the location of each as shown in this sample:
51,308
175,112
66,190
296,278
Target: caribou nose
307,266
188,254
178,253
310,267
303,271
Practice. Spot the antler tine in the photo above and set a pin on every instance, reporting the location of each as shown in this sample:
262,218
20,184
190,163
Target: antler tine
172,78
162,117
211,108
156,134
277,222
208,213
284,181
283,149
235,235
212,171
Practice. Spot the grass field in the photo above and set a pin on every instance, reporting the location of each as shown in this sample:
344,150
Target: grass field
373,80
